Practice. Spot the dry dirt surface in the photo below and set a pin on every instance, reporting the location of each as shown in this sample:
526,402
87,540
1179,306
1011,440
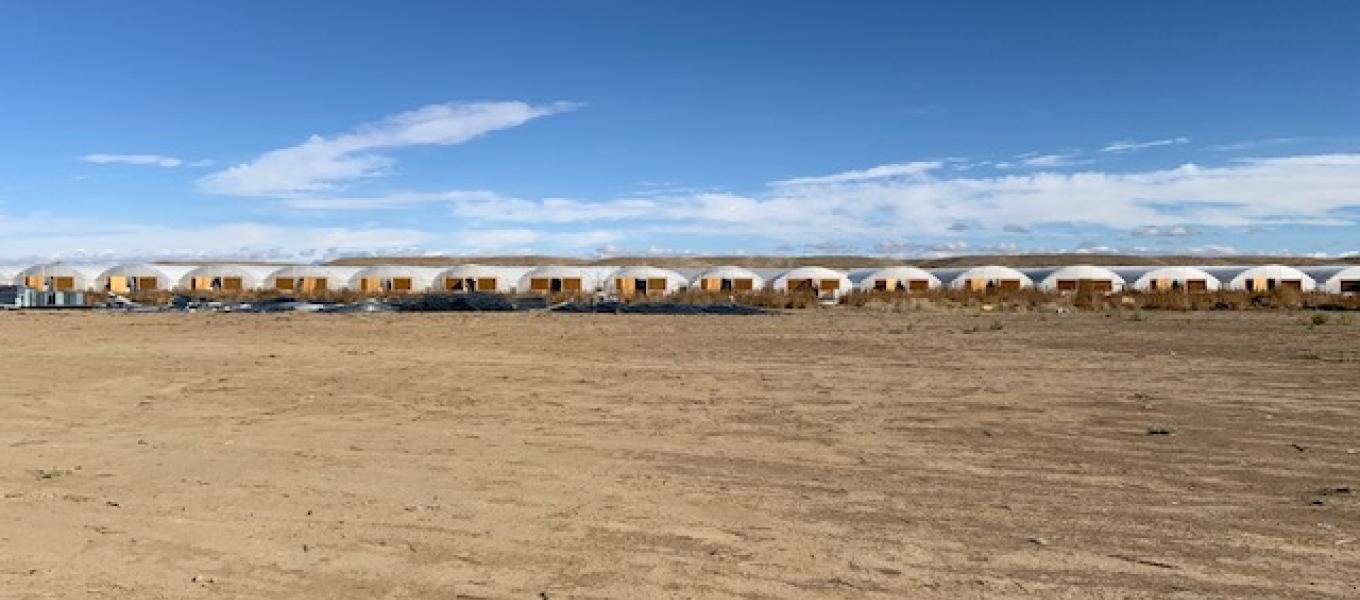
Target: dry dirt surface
825,454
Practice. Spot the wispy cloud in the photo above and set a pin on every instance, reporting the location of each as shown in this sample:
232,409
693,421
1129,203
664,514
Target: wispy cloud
323,164
1123,146
1053,161
1255,144
145,160
1173,231
908,169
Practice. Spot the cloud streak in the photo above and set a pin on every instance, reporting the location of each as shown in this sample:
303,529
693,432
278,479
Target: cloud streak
325,164
1123,146
909,169
143,160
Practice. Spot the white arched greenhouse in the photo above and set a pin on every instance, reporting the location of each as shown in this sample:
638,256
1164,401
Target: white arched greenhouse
61,277
1336,280
898,279
644,281
478,278
727,279
990,277
313,279
141,277
826,283
227,278
1177,279
1082,278
555,279
1267,278
393,279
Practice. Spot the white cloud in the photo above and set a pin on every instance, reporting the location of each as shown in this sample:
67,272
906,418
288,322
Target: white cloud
498,239
1299,189
1174,231
1122,146
44,237
326,163
1052,161
147,160
1255,144
910,169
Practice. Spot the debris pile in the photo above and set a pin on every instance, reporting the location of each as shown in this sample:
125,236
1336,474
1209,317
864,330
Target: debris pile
456,302
658,308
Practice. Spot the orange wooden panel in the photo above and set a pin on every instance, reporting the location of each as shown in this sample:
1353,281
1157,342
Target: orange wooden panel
118,284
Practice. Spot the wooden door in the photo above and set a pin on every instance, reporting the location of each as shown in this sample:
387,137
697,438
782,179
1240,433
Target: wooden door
118,284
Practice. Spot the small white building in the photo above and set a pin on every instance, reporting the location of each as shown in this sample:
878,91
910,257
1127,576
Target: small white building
898,279
1336,280
141,277
478,278
990,277
1082,277
62,277
1177,279
8,273
824,282
727,279
227,277
1267,278
644,281
393,279
555,279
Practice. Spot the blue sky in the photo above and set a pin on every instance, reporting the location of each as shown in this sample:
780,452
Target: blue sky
310,129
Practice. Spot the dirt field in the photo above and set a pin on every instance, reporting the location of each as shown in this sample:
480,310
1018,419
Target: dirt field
834,453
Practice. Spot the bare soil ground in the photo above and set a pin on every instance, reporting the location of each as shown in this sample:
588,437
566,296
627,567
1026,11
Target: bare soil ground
832,453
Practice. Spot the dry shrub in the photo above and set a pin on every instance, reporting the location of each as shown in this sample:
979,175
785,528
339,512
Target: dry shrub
760,298
559,297
1237,300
